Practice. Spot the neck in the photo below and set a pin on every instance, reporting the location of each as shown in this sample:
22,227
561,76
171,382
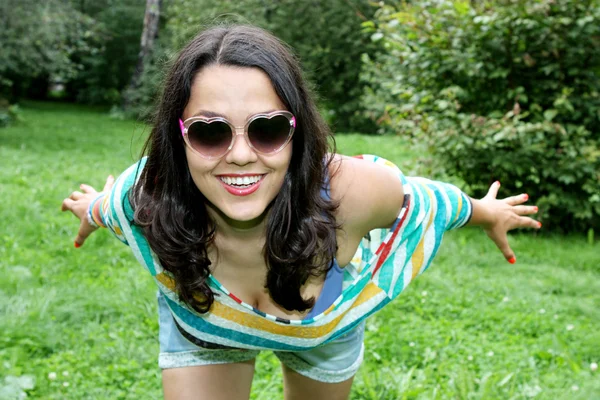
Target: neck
238,243
229,229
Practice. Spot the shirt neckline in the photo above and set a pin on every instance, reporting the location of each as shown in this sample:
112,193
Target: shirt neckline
382,251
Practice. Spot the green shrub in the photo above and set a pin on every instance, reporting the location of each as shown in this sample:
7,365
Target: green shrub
9,113
89,47
144,99
326,36
504,90
106,72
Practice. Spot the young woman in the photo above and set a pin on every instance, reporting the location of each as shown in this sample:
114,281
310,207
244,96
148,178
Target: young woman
257,236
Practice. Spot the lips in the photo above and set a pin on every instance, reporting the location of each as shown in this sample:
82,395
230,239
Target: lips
241,184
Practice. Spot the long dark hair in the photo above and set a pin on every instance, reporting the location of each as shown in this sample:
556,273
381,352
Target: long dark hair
300,229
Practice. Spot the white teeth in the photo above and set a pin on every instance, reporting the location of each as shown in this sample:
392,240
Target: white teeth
246,180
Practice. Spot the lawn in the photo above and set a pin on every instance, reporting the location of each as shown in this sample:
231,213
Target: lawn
82,323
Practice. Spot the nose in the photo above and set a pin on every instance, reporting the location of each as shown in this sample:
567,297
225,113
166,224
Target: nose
241,153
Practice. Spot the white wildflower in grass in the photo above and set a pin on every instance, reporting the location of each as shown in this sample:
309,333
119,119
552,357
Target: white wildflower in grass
412,344
52,376
542,311
65,384
65,373
372,326
490,353
574,388
424,293
570,327
470,358
505,299
594,366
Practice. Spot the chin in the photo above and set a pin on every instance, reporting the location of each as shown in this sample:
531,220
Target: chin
248,217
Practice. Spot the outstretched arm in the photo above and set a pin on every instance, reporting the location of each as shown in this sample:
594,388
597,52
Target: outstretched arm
371,194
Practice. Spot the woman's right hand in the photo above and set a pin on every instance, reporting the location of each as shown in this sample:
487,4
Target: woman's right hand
79,202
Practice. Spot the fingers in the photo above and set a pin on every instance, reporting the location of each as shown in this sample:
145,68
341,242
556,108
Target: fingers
526,222
80,238
110,181
525,210
87,189
76,195
518,199
67,204
502,243
493,191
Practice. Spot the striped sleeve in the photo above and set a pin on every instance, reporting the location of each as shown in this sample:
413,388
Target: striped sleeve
408,248
451,207
114,208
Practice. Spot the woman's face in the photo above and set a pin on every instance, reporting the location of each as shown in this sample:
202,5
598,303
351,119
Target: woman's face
236,93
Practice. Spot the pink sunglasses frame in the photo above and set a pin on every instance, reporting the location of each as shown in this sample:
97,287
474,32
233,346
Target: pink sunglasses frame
184,125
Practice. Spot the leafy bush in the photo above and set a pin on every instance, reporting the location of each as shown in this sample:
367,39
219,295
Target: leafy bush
143,99
108,70
326,35
40,43
8,113
89,48
508,90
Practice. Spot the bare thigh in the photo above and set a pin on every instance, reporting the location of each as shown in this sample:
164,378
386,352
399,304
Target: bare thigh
299,387
214,382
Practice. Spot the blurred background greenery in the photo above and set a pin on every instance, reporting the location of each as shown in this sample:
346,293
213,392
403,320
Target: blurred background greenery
486,90
465,91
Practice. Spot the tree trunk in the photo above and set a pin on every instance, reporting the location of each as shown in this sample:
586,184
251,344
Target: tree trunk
149,35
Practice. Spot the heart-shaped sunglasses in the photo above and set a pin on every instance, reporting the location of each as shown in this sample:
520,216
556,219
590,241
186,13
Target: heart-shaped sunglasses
265,133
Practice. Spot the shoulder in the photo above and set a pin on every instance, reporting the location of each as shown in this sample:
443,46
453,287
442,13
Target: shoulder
368,190
119,196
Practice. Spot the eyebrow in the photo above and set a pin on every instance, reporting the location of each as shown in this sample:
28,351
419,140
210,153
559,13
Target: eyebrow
212,114
209,114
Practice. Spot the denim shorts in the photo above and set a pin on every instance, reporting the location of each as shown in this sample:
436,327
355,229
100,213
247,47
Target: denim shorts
335,361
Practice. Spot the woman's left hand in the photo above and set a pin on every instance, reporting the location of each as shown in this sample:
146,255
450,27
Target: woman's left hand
498,216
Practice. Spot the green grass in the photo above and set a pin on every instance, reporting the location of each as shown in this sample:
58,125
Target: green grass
473,327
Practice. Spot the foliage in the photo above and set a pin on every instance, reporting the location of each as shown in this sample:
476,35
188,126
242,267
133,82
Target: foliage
107,72
326,35
8,113
87,48
143,100
503,90
42,41
83,322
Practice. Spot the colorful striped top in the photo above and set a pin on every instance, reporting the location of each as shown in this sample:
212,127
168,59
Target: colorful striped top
386,261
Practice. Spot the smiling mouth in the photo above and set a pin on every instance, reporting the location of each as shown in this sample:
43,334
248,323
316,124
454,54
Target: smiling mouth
239,182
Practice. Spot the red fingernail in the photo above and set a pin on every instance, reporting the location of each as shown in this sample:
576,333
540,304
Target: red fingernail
77,245
535,208
498,182
539,224
526,196
512,260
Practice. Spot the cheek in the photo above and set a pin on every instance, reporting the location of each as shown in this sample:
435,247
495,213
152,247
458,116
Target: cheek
199,169
281,167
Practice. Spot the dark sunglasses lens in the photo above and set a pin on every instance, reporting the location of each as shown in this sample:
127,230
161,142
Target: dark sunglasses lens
212,139
267,135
